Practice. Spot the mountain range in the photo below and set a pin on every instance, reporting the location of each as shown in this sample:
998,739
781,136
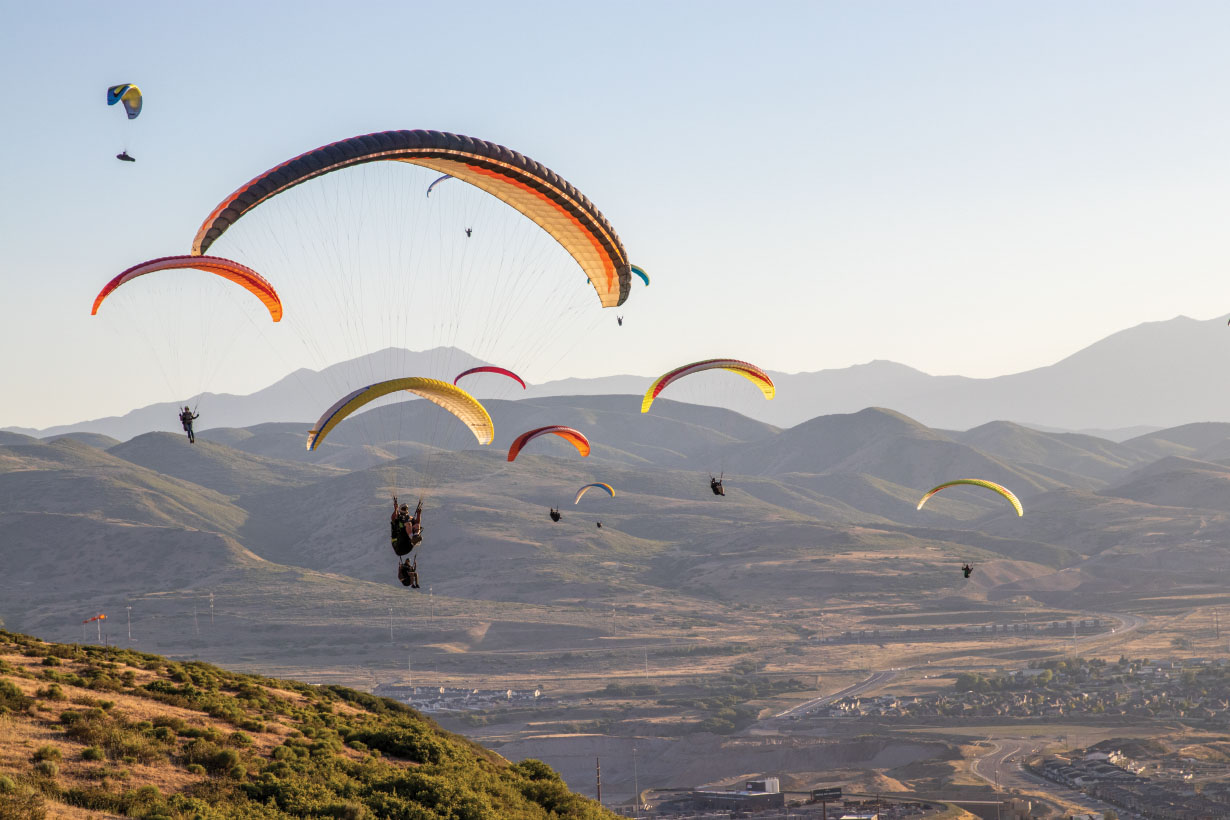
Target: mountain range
1152,376
87,521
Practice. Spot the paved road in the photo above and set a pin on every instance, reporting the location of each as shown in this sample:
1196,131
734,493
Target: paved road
876,680
1005,758
1127,623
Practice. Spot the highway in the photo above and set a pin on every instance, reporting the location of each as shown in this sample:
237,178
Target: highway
876,680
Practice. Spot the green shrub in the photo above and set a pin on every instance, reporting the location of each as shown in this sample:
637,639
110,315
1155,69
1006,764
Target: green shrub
11,698
195,768
52,692
46,753
92,753
51,660
46,768
411,742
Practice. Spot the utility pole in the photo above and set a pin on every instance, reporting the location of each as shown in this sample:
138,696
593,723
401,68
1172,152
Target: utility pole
390,624
129,608
432,598
211,610
410,672
636,783
646,666
195,623
998,800
598,769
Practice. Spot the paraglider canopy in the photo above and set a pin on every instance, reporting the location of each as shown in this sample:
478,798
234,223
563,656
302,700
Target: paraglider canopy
490,369
241,275
607,488
453,399
976,482
129,95
749,371
525,185
574,437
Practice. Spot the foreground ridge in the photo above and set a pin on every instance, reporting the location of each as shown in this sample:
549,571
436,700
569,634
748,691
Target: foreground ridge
103,729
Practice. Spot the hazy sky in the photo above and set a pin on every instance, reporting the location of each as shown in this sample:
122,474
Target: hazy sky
965,187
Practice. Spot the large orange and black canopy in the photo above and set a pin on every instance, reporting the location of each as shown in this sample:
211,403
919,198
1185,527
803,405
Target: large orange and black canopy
528,186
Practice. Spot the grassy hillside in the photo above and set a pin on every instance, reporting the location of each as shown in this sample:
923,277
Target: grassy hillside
70,477
98,732
216,466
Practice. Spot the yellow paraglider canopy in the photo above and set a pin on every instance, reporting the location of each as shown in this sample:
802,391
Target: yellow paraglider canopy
453,399
977,482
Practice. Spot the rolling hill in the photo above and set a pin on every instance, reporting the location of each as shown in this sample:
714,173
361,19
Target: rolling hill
100,732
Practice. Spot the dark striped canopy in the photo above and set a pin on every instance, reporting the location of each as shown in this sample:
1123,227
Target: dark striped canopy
528,186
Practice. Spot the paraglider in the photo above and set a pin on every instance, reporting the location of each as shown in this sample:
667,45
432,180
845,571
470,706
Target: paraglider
747,370
976,482
453,399
406,530
607,488
966,569
574,437
715,484
130,96
241,275
186,418
406,533
490,369
408,572
644,276
555,515
525,185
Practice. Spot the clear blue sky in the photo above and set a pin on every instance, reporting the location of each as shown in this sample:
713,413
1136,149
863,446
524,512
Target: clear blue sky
964,187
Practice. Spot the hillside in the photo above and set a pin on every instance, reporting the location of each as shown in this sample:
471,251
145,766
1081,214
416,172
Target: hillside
249,551
94,732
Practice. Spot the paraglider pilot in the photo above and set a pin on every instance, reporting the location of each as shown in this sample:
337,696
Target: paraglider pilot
555,516
186,418
967,569
408,573
399,536
406,533
405,530
620,319
715,484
